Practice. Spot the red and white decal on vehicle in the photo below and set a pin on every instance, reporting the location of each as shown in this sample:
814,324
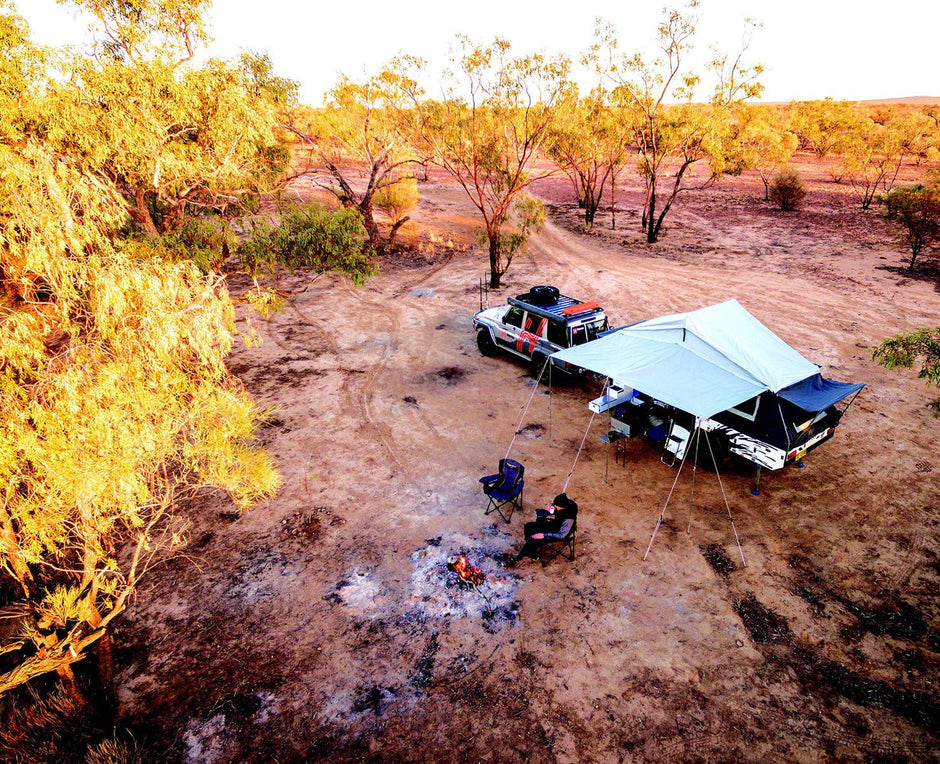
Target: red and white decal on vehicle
527,340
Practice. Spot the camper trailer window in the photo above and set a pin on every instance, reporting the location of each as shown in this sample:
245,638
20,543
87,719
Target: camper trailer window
514,317
747,410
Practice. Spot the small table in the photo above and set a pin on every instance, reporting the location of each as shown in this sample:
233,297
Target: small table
619,441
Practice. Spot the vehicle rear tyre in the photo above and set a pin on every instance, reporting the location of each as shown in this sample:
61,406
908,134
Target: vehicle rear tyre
543,294
485,342
710,450
536,365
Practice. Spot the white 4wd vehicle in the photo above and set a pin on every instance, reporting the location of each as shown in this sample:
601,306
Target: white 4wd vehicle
538,323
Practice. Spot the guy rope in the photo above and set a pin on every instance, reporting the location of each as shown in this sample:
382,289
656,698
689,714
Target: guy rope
518,429
525,410
698,430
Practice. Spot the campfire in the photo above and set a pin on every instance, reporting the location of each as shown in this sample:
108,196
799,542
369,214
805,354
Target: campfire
467,573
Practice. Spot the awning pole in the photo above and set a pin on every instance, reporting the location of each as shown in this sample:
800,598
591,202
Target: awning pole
610,419
550,396
688,529
577,455
786,430
852,400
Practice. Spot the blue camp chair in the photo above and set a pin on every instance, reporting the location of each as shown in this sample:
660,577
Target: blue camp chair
504,489
559,547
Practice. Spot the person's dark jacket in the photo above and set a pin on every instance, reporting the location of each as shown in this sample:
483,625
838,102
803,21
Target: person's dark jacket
557,526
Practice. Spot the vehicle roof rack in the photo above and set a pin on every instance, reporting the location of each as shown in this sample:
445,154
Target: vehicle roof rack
564,307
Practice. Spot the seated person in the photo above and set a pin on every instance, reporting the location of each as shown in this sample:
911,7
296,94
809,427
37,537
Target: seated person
553,523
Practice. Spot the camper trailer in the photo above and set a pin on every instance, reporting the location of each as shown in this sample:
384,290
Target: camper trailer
719,372
767,430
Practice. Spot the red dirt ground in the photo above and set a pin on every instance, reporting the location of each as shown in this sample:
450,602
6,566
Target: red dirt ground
324,625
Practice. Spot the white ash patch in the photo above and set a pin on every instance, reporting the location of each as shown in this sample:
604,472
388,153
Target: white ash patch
263,576
207,742
360,593
215,738
358,590
438,592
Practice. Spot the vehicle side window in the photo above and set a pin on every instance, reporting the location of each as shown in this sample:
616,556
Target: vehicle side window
596,328
557,334
514,317
578,335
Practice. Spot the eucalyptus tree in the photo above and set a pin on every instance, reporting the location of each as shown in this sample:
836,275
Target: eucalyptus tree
823,127
360,139
589,142
115,402
672,133
765,144
175,139
874,153
917,210
920,347
487,132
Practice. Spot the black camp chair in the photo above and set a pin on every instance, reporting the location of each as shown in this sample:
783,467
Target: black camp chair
562,547
504,489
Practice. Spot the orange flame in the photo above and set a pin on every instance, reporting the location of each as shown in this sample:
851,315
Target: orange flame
465,570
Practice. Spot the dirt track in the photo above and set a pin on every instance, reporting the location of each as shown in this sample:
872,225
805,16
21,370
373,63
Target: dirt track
323,625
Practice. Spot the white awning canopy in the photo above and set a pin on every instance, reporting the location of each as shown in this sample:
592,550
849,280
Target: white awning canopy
702,362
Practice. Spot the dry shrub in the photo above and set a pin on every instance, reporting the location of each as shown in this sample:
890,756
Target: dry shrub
113,751
54,728
787,189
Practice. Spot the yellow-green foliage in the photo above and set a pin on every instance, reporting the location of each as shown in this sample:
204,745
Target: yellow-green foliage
398,199
114,398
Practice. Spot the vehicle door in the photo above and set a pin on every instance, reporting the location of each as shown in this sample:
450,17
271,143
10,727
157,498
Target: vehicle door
511,327
557,335
533,330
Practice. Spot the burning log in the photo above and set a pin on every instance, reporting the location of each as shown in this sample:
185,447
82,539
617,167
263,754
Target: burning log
467,573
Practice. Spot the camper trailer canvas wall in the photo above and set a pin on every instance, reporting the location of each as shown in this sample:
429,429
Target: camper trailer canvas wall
537,324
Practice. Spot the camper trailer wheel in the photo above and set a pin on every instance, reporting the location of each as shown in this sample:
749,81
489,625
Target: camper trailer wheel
720,448
485,342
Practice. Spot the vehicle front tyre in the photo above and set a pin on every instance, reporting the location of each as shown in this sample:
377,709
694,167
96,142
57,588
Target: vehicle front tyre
485,343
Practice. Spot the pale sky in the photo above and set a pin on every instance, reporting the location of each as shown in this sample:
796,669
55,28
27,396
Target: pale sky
844,49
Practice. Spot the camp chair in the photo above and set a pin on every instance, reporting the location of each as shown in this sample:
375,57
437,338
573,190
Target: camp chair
552,549
504,488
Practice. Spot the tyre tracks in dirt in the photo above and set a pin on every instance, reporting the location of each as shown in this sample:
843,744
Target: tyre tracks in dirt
358,386
409,459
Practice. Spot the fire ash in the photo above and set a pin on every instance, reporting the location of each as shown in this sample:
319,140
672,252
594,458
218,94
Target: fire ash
439,592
